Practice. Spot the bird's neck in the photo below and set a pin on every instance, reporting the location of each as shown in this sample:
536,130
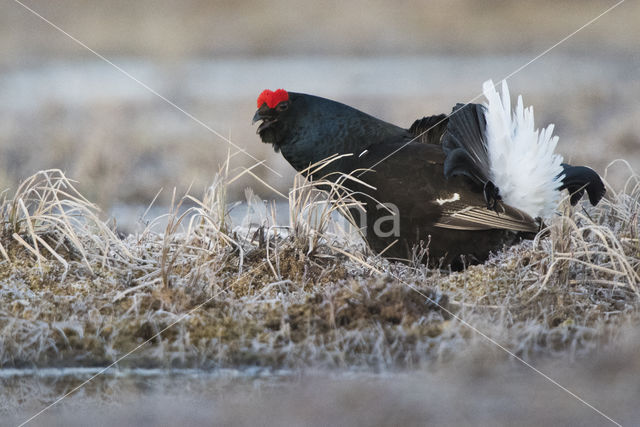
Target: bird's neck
339,130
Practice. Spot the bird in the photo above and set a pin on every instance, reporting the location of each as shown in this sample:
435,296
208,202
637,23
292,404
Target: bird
459,186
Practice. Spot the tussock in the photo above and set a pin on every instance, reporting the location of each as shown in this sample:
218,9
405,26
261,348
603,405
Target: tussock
308,293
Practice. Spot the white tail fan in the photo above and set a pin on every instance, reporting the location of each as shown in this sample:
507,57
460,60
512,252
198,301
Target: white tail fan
521,159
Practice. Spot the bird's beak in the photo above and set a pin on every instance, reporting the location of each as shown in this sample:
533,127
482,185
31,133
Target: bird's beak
256,117
267,120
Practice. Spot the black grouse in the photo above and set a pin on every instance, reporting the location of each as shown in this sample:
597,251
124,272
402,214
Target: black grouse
461,185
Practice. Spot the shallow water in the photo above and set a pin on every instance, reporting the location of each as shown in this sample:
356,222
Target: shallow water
476,392
78,83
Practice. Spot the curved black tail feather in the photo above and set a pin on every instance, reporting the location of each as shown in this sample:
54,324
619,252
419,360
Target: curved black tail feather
578,179
464,145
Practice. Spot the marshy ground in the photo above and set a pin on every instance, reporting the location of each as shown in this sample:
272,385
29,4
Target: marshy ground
258,299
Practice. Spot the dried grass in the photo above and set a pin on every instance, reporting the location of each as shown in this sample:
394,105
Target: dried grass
309,293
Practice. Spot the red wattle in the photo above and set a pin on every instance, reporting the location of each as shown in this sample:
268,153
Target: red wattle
272,98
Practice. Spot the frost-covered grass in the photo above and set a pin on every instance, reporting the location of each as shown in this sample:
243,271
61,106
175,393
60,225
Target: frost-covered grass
208,293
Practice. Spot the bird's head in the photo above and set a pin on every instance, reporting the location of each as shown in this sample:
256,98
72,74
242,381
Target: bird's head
274,110
308,128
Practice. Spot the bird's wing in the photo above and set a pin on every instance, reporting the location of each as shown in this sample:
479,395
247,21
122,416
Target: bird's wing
464,144
461,135
462,216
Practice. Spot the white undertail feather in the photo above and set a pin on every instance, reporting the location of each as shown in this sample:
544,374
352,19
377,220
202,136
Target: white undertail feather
521,159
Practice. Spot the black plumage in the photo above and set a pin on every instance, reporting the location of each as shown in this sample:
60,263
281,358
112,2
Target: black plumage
435,175
578,179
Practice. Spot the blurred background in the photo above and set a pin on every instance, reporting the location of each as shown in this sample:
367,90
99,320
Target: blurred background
63,107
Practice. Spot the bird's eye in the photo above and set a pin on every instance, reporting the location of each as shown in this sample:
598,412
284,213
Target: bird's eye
282,106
